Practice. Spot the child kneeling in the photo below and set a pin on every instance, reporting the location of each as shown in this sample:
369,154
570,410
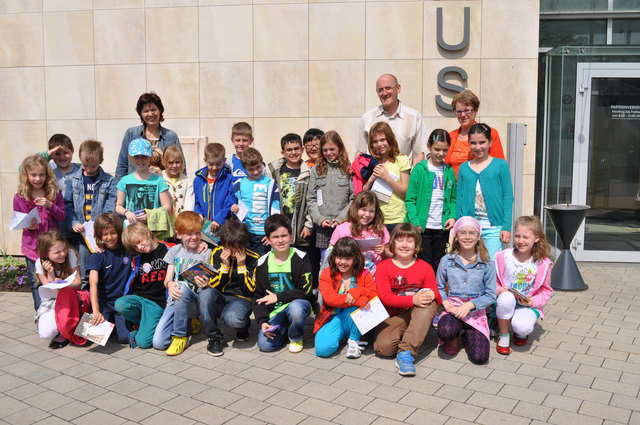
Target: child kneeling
408,289
283,289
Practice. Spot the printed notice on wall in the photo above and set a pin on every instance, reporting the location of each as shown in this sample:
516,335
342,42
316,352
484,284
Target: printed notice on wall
624,112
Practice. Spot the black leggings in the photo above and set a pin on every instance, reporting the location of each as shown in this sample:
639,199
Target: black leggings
477,344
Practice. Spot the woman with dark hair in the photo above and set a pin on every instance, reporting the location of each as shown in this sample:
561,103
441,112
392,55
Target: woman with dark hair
150,110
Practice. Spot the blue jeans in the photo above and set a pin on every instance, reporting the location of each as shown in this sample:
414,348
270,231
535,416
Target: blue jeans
108,310
234,311
295,315
336,329
205,300
33,282
491,239
162,335
83,260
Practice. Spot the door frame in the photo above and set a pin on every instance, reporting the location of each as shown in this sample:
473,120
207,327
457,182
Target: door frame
586,71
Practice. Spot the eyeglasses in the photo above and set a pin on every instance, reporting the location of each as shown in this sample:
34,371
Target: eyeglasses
312,147
384,89
464,111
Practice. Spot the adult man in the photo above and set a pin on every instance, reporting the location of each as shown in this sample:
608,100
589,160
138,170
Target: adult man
406,123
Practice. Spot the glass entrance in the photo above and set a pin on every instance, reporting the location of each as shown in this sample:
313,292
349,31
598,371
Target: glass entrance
607,161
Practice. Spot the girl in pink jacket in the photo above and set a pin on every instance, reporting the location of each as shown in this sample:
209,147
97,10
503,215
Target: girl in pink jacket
524,273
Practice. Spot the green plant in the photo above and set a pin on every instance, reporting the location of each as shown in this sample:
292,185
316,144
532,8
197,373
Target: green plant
12,270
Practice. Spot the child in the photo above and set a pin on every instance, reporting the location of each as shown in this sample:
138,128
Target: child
292,177
468,274
234,284
485,191
180,186
61,152
283,289
184,293
330,189
345,286
525,268
311,141
365,221
213,187
141,190
260,196
393,169
241,139
90,192
57,262
37,188
145,295
431,199
109,271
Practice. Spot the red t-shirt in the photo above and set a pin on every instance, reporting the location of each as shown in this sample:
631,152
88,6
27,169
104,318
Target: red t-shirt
396,286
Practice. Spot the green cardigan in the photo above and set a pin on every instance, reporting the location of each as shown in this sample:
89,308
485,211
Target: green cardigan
418,198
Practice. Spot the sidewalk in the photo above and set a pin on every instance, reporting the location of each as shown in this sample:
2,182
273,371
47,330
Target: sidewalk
582,368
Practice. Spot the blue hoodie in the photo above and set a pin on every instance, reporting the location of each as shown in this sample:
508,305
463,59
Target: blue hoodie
214,202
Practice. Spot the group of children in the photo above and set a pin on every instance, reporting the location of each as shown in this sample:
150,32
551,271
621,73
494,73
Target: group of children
376,227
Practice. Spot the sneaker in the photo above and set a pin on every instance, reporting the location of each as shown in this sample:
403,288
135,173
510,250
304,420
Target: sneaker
132,339
353,349
178,345
215,347
295,346
196,326
242,335
58,342
436,320
404,363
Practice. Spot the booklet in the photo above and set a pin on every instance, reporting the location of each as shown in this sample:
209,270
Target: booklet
208,236
22,220
197,269
95,333
383,189
368,244
522,295
366,320
50,290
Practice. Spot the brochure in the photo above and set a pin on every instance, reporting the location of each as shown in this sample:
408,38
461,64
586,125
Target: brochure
95,333
197,269
368,319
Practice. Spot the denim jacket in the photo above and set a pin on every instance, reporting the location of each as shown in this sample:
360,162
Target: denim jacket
104,197
124,167
475,281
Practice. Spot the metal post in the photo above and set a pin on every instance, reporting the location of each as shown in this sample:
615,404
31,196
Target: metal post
516,139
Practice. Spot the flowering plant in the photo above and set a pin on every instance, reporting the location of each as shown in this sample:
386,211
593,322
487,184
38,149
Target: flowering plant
13,272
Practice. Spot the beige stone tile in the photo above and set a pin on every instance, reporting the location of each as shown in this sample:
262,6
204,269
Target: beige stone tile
268,132
70,92
336,31
180,45
11,240
21,35
77,130
110,133
65,5
117,4
119,36
184,127
20,6
432,122
226,89
510,86
223,2
408,73
219,130
528,194
278,1
22,93
170,3
20,139
117,89
337,97
281,89
68,38
226,33
453,29
346,128
280,32
501,124
394,30
515,24
177,85
431,89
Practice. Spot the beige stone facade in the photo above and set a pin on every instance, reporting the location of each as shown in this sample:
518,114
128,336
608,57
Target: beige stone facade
78,67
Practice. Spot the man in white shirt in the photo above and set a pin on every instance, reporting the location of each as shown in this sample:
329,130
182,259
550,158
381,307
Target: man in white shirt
406,123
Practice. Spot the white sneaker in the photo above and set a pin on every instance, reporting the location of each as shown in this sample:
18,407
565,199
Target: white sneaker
354,348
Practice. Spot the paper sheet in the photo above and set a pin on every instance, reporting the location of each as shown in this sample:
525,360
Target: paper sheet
383,189
99,333
242,212
368,244
22,220
51,289
89,235
366,320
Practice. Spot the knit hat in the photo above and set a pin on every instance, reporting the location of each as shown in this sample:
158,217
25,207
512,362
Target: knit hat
466,221
140,147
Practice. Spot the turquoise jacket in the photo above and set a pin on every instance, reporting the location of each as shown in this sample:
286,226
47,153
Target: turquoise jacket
418,198
495,182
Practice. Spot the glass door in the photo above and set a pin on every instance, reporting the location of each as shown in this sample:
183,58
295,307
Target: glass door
606,173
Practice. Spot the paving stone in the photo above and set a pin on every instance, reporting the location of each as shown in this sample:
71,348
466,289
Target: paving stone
319,409
28,416
352,384
425,402
166,417
489,401
138,411
563,417
217,396
210,414
484,386
491,417
524,394
561,402
287,399
462,411
615,387
320,391
355,417
98,417
590,394
279,416
532,410
389,409
603,411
